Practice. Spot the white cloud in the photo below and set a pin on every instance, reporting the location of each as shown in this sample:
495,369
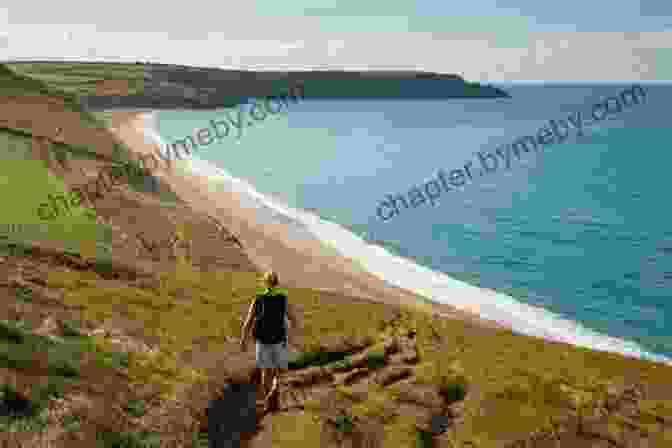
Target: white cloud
300,44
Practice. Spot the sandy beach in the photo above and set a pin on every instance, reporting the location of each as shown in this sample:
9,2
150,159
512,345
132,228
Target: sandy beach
305,263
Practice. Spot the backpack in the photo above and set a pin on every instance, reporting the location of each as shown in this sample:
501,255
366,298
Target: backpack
269,318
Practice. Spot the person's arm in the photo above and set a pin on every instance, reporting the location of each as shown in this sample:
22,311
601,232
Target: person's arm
246,325
291,315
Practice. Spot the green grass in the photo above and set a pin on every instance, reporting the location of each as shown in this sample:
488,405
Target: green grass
344,424
15,144
103,266
16,404
11,332
24,294
454,391
110,439
199,439
80,79
113,360
35,183
20,412
18,347
343,364
72,423
83,343
319,358
64,368
105,118
17,358
15,249
62,363
136,408
32,177
424,440
13,84
70,328
54,388
375,360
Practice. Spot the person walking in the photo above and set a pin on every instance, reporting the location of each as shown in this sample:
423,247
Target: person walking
267,319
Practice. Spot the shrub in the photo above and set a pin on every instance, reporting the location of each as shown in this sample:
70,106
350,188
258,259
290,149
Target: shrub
376,360
33,424
16,249
318,358
199,439
15,404
113,360
111,439
24,294
64,368
344,424
424,439
53,389
103,266
11,332
61,153
343,364
71,423
16,357
70,329
19,412
136,408
454,390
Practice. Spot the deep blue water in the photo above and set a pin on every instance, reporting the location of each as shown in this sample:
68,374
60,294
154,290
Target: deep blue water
582,229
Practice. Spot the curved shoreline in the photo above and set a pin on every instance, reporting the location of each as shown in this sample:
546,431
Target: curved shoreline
300,263
304,259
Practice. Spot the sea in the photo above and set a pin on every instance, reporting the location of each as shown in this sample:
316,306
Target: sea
576,238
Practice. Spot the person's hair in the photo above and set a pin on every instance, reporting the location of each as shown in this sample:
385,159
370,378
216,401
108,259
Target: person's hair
271,278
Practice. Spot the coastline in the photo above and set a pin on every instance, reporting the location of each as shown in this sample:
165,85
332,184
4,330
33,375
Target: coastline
303,259
300,262
169,344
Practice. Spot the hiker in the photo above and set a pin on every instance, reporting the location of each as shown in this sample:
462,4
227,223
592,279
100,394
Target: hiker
267,318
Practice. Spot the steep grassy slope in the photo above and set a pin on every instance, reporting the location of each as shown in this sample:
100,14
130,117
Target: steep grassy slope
515,385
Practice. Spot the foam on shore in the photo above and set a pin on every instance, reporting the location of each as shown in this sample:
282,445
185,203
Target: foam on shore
404,273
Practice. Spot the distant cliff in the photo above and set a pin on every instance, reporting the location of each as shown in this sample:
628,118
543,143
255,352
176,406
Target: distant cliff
168,86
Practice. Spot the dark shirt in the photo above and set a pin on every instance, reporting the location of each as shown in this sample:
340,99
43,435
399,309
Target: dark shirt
270,310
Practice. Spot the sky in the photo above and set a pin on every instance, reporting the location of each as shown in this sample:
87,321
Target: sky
482,40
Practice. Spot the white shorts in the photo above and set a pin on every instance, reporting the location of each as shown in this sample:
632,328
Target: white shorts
272,356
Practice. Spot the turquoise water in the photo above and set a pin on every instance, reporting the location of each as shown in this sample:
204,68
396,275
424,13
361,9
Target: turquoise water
581,229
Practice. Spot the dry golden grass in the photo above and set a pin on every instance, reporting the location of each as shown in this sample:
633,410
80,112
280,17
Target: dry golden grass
378,404
524,381
296,429
214,309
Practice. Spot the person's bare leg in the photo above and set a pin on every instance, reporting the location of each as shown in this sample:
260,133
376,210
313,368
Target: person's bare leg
275,389
276,379
271,401
269,380
264,381
274,382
